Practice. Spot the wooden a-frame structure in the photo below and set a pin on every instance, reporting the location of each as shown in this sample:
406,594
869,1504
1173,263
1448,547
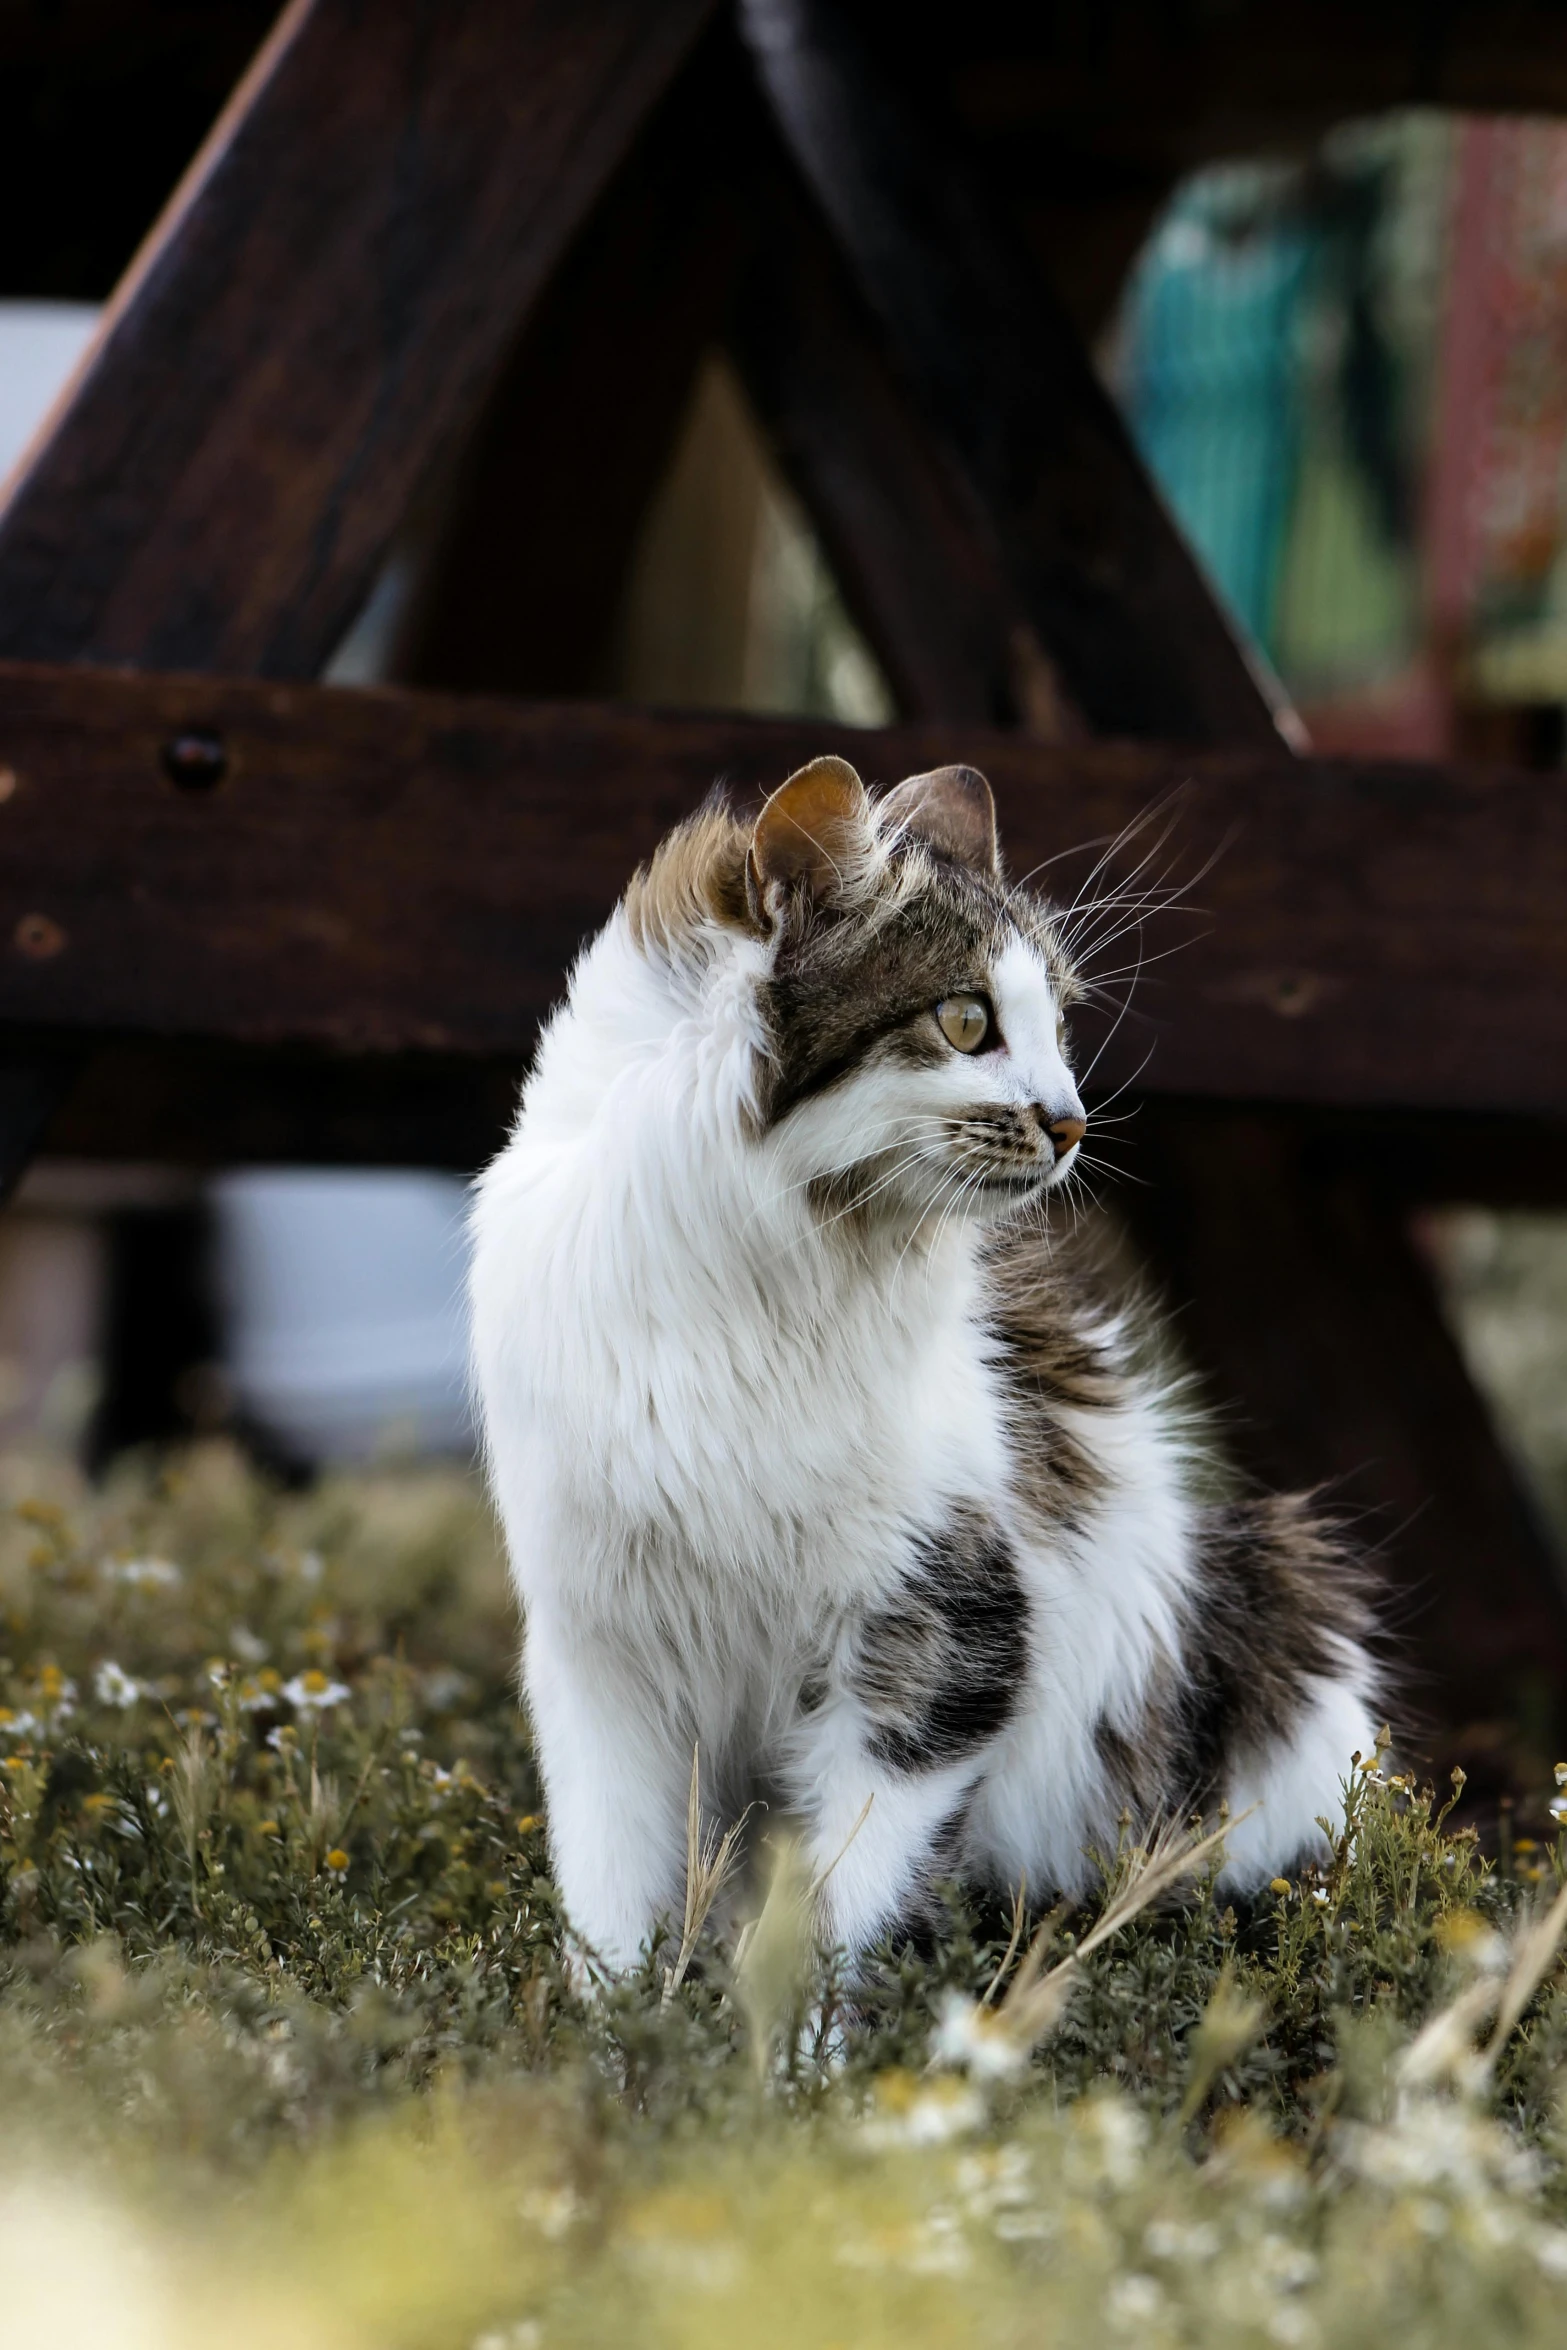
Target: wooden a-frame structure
243,915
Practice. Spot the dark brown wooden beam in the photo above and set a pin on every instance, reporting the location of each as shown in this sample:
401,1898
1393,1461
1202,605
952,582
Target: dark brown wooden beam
909,542
523,588
1308,1311
1003,380
315,318
203,1105
378,872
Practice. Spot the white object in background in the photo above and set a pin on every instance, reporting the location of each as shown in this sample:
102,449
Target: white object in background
40,343
346,1333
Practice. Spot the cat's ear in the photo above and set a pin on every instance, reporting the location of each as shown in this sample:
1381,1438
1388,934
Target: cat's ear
808,835
952,810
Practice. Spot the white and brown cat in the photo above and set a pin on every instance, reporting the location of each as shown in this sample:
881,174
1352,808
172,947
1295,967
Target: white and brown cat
812,1441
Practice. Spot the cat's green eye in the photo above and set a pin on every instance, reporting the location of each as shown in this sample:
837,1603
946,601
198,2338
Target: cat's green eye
964,1021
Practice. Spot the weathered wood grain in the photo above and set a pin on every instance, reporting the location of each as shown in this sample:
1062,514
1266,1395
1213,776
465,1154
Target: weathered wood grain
1112,589
380,872
314,318
909,542
522,591
1306,1308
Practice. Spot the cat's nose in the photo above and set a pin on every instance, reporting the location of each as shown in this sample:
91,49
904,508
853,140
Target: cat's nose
1066,1133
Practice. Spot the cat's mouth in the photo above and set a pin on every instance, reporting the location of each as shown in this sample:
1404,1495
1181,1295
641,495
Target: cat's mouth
1019,1182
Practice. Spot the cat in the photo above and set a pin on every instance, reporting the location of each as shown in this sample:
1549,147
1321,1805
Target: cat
812,1439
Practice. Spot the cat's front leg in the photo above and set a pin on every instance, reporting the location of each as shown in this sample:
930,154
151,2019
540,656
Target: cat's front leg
616,1779
879,1836
918,1689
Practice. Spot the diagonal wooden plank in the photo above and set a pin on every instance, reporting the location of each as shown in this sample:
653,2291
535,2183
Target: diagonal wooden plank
521,592
288,865
315,317
1106,579
1301,1297
910,542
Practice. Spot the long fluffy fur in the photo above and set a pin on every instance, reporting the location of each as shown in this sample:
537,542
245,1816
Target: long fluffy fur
813,1443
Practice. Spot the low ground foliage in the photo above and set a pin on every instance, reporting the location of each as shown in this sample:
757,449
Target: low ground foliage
294,2043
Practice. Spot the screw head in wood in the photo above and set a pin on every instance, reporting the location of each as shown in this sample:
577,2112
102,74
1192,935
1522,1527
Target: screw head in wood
195,760
38,938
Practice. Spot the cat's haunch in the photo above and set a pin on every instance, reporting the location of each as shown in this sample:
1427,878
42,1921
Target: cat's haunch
819,1441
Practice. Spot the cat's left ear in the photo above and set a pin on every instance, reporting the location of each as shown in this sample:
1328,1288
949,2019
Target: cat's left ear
809,834
952,810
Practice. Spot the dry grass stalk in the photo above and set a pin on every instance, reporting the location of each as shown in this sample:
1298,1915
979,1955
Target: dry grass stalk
1534,1947
773,1961
1019,1918
710,1862
1035,2001
818,1881
1444,2049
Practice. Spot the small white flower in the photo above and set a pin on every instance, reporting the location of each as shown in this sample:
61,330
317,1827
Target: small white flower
314,1692
937,2112
1109,2139
113,1685
18,1725
1550,2250
1171,2239
445,1688
1558,1807
1133,2300
145,1574
1321,1896
973,2039
552,2210
1288,2266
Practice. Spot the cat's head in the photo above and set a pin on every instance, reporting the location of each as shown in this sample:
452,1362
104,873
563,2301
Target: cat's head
911,1004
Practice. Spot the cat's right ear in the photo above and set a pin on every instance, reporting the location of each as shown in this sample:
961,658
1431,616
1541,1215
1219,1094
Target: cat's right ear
807,837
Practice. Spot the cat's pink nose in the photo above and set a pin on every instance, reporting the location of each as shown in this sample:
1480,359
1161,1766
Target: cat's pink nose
1066,1134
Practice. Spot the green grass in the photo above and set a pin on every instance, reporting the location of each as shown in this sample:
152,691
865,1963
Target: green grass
291,2043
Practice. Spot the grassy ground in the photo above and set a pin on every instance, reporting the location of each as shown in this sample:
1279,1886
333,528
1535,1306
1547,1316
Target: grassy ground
291,2048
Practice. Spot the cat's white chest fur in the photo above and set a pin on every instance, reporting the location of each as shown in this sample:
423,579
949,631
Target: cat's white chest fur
693,1402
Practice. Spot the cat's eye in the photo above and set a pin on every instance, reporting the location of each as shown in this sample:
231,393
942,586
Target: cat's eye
964,1020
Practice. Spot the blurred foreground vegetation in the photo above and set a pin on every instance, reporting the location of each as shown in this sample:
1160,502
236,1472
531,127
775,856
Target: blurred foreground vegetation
293,2047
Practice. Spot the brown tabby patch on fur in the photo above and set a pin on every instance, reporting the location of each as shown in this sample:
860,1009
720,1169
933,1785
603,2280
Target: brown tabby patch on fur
1276,1595
695,877
1051,1313
860,979
856,977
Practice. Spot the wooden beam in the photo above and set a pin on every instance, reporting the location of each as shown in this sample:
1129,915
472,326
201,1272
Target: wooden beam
909,542
375,872
204,1105
1111,588
315,318
522,591
1304,1304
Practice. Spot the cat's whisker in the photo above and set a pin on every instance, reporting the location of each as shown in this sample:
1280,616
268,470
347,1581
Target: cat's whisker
1127,834
1125,1085
1145,962
1108,1040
